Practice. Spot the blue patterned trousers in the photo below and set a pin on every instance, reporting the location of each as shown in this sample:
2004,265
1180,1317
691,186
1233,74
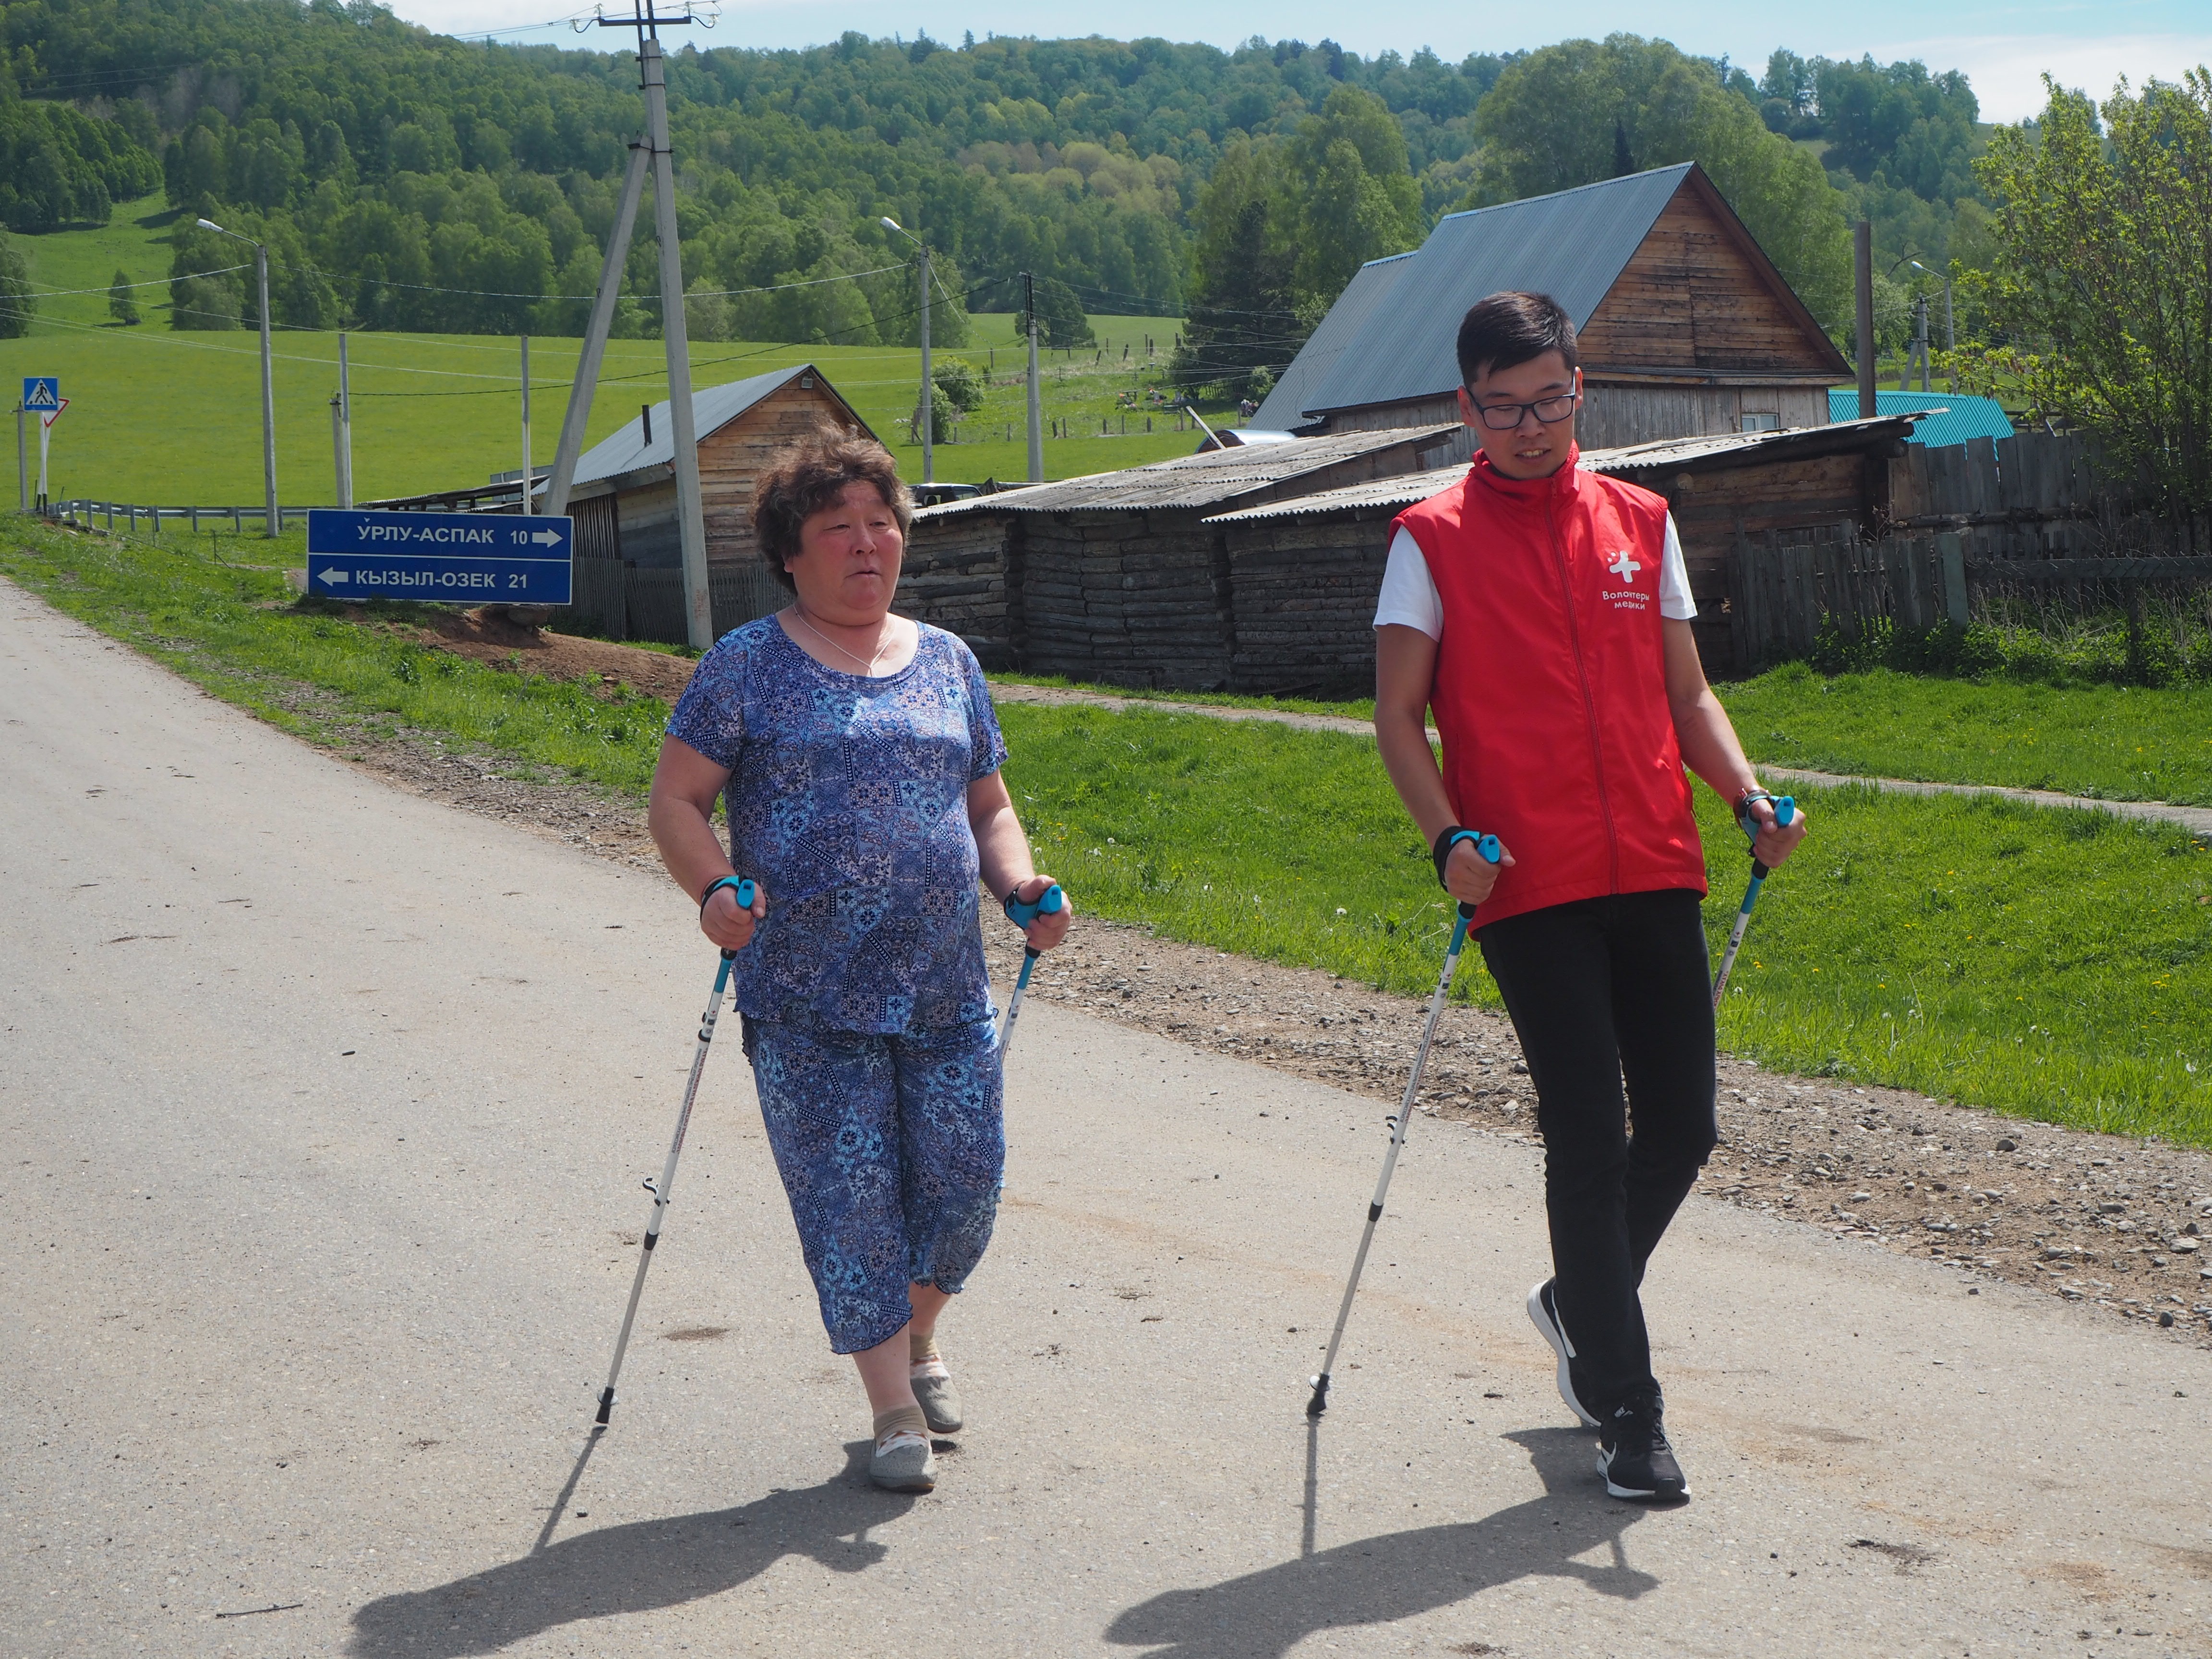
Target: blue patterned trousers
891,1150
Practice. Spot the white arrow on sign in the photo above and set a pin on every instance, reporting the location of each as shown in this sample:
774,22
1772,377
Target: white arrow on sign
546,538
334,575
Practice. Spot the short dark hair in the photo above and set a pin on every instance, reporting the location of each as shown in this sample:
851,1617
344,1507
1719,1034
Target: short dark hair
809,474
1508,330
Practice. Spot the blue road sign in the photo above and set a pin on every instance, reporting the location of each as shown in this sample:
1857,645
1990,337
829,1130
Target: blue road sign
446,558
42,391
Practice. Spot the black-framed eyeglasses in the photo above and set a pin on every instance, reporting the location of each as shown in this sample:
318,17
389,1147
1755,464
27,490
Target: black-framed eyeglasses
1504,417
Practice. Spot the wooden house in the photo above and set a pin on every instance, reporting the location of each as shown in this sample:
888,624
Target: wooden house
1302,575
1686,328
1117,577
624,497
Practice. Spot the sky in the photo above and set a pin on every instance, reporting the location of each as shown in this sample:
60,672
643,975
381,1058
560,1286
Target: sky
2004,48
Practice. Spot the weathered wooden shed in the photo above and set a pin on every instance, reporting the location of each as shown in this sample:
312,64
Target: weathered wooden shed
623,500
1117,577
1302,575
1686,327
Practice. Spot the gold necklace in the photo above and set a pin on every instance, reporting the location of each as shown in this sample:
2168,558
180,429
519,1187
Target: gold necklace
867,664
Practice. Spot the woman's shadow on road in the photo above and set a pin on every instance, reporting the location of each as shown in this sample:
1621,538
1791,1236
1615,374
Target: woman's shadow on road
636,1568
1378,1581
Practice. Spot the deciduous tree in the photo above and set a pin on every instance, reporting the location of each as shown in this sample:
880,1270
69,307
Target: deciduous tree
2102,280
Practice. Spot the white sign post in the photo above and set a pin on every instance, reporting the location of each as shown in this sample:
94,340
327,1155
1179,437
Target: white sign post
46,419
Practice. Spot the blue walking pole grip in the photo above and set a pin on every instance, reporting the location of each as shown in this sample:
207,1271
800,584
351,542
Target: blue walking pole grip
1049,903
746,894
1485,846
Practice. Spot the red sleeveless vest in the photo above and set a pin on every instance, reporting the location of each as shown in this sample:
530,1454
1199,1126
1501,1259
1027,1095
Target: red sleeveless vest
1551,685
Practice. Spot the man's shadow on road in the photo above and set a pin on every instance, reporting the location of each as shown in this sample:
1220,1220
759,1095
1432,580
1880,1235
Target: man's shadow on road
635,1568
1378,1581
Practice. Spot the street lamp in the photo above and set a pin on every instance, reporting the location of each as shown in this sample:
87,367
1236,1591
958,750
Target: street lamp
1950,325
270,525
928,391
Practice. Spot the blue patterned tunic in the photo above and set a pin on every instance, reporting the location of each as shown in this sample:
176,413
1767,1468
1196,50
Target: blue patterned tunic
847,800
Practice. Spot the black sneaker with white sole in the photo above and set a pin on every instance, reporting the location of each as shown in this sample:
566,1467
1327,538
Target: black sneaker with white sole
1634,1456
1544,1315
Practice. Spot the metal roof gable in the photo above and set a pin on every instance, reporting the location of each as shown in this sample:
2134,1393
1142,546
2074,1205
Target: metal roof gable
1573,246
1366,293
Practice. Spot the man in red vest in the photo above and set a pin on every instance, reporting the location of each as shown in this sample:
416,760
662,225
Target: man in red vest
1543,613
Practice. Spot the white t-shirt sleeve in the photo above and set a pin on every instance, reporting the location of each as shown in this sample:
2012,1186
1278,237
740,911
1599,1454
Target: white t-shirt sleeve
1409,593
1410,599
1674,600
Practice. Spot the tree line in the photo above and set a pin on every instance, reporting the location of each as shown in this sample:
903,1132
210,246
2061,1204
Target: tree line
406,180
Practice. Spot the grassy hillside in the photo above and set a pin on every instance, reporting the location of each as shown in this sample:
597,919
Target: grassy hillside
136,240
157,415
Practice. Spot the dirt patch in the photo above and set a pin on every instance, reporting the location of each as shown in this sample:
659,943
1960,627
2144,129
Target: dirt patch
489,637
2123,1224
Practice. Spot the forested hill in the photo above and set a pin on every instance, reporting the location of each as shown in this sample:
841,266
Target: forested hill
409,180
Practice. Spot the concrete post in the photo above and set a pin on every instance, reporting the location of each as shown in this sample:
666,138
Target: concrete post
690,514
595,336
1037,404
272,522
1863,258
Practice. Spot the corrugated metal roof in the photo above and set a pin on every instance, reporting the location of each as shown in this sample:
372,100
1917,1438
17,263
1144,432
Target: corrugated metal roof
1219,476
625,451
1947,419
1370,287
1572,246
1670,455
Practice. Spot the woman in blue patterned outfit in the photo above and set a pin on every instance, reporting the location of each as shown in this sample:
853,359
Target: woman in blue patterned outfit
858,756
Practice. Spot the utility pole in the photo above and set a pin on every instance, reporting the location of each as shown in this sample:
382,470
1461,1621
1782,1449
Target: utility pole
653,151
1920,337
22,465
1037,405
595,336
1950,336
928,418
338,450
345,427
928,386
525,423
271,520
1862,259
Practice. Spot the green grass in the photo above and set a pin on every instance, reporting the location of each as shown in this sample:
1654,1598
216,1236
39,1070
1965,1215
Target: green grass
134,241
1361,708
2119,743
2052,962
2049,961
157,415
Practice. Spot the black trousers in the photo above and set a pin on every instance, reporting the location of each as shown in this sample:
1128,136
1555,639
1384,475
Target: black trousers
1603,990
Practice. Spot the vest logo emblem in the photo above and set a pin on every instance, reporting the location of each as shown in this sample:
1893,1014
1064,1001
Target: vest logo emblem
1624,565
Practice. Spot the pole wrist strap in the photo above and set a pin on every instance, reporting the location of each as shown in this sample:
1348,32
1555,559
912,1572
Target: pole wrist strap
716,886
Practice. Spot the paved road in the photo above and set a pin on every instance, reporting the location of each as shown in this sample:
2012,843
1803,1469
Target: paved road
2197,819
324,1110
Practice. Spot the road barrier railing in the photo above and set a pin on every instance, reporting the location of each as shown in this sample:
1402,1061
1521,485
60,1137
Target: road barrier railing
136,516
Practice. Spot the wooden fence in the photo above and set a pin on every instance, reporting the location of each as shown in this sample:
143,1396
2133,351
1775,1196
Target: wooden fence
1783,591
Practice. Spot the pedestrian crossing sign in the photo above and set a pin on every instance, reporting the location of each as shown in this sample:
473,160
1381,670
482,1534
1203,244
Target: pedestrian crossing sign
43,393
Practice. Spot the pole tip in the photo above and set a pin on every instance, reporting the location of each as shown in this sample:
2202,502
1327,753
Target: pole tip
1319,1403
606,1406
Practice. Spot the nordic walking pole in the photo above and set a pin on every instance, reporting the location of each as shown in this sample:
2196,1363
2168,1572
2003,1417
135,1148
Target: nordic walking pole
1486,846
1049,903
1785,809
661,1188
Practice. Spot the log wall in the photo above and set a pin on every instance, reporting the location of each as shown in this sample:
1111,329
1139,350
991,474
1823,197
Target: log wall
1692,298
